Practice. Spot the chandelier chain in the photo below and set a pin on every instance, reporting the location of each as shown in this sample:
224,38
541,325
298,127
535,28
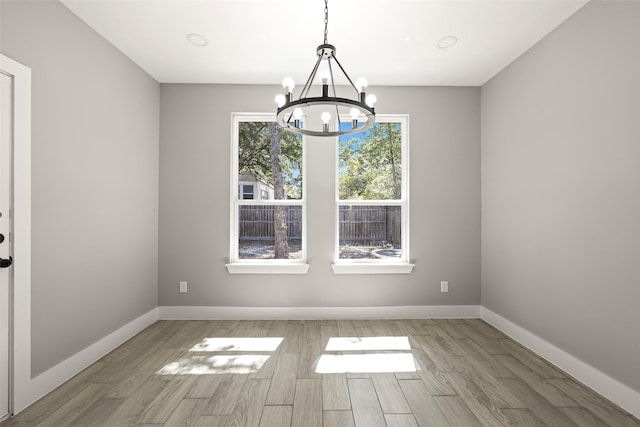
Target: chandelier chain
326,20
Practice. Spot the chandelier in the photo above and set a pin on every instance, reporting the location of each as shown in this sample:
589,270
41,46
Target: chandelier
351,115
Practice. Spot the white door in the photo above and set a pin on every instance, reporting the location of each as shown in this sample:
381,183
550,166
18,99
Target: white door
6,142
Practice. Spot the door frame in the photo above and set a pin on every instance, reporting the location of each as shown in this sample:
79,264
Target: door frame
20,326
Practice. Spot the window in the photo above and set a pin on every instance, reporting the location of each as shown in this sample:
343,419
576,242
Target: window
268,225
247,192
372,203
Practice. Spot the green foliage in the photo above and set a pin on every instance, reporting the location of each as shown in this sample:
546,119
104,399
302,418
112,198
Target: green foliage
254,156
370,166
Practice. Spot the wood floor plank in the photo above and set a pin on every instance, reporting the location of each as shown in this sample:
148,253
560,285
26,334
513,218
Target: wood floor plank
204,386
212,421
248,408
148,367
547,390
535,363
226,395
422,360
96,413
307,404
484,361
309,355
490,345
338,419
50,403
436,383
75,406
335,392
366,408
444,340
485,329
583,417
390,395
311,330
540,407
422,405
436,353
452,330
599,406
326,333
160,408
487,381
407,375
346,328
276,416
187,413
283,383
133,406
523,418
456,412
401,420
476,400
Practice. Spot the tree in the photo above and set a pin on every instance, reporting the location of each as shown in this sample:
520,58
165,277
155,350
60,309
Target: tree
280,212
370,166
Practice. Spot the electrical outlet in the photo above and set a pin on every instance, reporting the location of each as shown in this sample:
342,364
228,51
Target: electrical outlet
183,287
444,286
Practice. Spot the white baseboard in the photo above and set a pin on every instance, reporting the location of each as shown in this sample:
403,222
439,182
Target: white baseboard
620,394
54,377
317,313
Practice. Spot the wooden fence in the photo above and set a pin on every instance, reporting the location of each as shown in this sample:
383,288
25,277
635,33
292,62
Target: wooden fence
358,224
257,222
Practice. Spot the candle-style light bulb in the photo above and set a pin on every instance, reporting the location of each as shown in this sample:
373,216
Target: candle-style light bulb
324,76
280,100
354,113
325,121
371,100
288,84
361,84
297,115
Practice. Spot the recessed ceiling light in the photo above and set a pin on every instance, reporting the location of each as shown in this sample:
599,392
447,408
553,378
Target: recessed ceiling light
196,39
447,42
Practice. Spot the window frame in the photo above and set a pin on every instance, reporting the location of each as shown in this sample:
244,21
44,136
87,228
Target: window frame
378,266
261,266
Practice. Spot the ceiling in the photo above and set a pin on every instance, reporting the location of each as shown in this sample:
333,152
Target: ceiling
391,42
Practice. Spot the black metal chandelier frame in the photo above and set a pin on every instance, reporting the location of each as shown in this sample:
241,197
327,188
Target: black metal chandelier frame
291,111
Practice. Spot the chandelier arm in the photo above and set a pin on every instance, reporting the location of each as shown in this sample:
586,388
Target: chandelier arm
333,86
346,75
305,90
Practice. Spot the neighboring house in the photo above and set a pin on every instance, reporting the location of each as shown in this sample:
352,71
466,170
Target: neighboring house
251,188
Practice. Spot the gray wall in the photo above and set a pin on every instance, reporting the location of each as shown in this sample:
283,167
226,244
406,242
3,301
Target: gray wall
194,203
561,189
95,180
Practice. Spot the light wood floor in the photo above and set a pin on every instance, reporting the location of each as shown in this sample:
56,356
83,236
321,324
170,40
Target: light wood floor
433,373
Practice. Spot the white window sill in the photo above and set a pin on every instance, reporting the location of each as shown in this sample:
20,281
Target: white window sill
275,268
362,268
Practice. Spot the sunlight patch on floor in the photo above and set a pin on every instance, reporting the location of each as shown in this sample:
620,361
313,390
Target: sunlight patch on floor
219,364
369,363
367,343
224,355
238,344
